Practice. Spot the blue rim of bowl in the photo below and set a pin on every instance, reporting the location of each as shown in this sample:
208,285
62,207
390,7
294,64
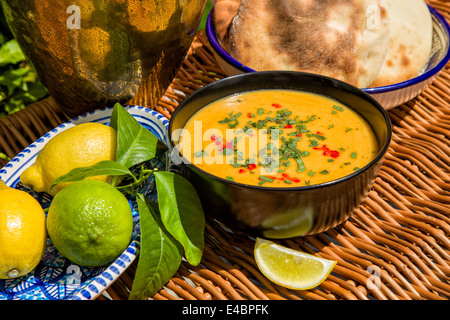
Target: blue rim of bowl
210,33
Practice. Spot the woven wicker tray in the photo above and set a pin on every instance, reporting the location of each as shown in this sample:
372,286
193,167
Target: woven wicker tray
395,246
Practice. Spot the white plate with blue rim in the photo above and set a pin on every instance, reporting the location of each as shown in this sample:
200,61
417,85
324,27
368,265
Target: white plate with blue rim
55,277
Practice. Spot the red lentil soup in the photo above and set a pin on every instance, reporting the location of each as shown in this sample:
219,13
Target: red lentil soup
278,138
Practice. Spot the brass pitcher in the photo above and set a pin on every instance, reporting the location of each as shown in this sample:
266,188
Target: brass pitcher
91,54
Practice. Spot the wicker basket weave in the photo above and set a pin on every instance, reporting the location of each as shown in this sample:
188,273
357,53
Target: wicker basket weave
395,246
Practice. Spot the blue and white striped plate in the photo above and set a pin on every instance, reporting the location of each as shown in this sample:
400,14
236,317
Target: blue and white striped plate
56,278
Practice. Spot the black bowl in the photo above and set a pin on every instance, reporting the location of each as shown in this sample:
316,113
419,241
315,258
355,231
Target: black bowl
283,212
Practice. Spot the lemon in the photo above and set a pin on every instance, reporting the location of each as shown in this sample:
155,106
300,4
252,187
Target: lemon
22,232
79,146
90,222
291,268
288,224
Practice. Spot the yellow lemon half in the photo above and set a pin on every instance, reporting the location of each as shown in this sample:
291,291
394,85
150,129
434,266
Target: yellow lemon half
23,235
79,146
291,268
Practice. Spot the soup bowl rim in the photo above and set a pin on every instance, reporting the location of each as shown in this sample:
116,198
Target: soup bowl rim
382,150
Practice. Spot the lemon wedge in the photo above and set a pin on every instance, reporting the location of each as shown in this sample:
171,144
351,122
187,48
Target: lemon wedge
291,268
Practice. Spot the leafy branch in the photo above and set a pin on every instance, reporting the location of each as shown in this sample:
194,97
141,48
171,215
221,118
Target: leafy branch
170,227
19,83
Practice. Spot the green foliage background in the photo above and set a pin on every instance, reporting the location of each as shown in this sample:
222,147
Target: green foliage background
208,8
19,84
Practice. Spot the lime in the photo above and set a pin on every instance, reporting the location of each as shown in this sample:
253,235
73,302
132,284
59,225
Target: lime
291,268
22,232
90,222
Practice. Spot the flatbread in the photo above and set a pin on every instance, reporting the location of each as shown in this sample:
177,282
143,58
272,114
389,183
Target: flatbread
336,38
411,41
224,12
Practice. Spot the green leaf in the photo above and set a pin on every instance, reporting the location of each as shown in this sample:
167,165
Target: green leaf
102,168
4,157
19,84
14,78
10,53
160,254
135,144
181,213
208,7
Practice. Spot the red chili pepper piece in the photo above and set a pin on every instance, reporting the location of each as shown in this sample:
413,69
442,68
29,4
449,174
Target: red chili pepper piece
215,139
249,115
332,153
241,170
287,177
324,147
228,145
299,135
276,105
288,126
251,166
